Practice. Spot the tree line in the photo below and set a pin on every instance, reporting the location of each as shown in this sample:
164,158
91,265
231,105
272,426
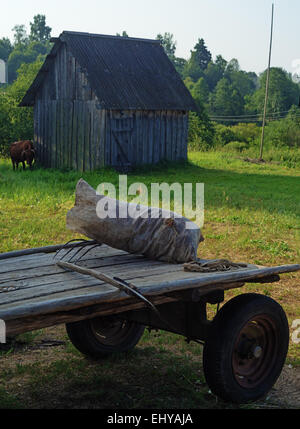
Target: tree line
222,91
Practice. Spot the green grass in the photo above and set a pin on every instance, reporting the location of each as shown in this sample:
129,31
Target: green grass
252,213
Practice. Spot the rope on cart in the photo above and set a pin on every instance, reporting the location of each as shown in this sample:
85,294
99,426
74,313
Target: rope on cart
212,266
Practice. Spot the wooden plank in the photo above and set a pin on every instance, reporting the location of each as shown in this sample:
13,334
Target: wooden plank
59,142
69,115
181,137
25,324
176,134
80,141
156,139
86,296
149,136
138,152
132,267
64,131
159,284
98,293
52,142
163,135
185,135
108,160
38,261
32,251
168,137
100,138
92,145
74,135
45,149
84,136
145,136
41,153
173,137
48,118
146,278
49,270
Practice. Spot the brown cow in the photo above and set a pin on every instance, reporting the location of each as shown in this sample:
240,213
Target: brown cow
20,152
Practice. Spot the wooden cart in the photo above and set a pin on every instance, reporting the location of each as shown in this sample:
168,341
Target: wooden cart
245,345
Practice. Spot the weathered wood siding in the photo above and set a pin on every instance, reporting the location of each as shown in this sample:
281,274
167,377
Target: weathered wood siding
71,129
69,134
69,126
145,137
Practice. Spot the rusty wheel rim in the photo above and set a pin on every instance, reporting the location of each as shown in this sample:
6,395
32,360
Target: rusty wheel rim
255,351
110,331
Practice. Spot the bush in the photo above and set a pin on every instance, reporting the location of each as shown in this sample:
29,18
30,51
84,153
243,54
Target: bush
223,135
237,146
285,132
246,132
201,132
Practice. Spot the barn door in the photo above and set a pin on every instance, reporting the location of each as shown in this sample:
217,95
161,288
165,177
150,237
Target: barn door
121,136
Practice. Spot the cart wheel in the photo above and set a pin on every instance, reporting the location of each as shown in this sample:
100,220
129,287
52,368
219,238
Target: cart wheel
246,349
102,336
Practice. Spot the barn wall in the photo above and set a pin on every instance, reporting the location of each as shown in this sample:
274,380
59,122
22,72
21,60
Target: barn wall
69,134
69,127
145,137
65,79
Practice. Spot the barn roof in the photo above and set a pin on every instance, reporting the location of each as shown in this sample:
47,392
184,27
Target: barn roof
124,72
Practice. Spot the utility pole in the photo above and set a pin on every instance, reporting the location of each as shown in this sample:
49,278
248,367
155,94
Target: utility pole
267,88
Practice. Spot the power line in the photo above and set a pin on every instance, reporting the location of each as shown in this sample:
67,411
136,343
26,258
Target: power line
248,116
241,120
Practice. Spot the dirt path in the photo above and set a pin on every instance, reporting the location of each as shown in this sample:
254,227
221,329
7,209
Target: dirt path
286,392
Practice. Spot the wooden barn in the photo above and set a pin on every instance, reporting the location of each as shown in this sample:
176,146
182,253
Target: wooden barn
108,101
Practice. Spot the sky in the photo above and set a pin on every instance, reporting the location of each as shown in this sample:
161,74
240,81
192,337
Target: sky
232,28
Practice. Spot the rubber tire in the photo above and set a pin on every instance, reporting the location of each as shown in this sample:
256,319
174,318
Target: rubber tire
84,339
218,349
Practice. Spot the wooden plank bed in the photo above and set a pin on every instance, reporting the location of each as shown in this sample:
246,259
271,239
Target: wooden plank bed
33,286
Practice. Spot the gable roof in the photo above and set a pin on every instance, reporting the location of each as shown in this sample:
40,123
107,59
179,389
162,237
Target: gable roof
124,72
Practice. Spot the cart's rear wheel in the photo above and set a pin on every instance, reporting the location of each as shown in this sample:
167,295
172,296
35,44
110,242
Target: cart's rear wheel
102,336
246,348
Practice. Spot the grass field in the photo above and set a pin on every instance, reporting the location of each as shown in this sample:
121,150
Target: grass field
252,213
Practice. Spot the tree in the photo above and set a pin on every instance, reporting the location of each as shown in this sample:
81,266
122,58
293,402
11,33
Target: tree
124,34
221,63
179,64
39,31
168,43
21,54
17,123
200,92
201,54
233,66
5,48
226,100
241,81
283,93
198,62
213,73
20,35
